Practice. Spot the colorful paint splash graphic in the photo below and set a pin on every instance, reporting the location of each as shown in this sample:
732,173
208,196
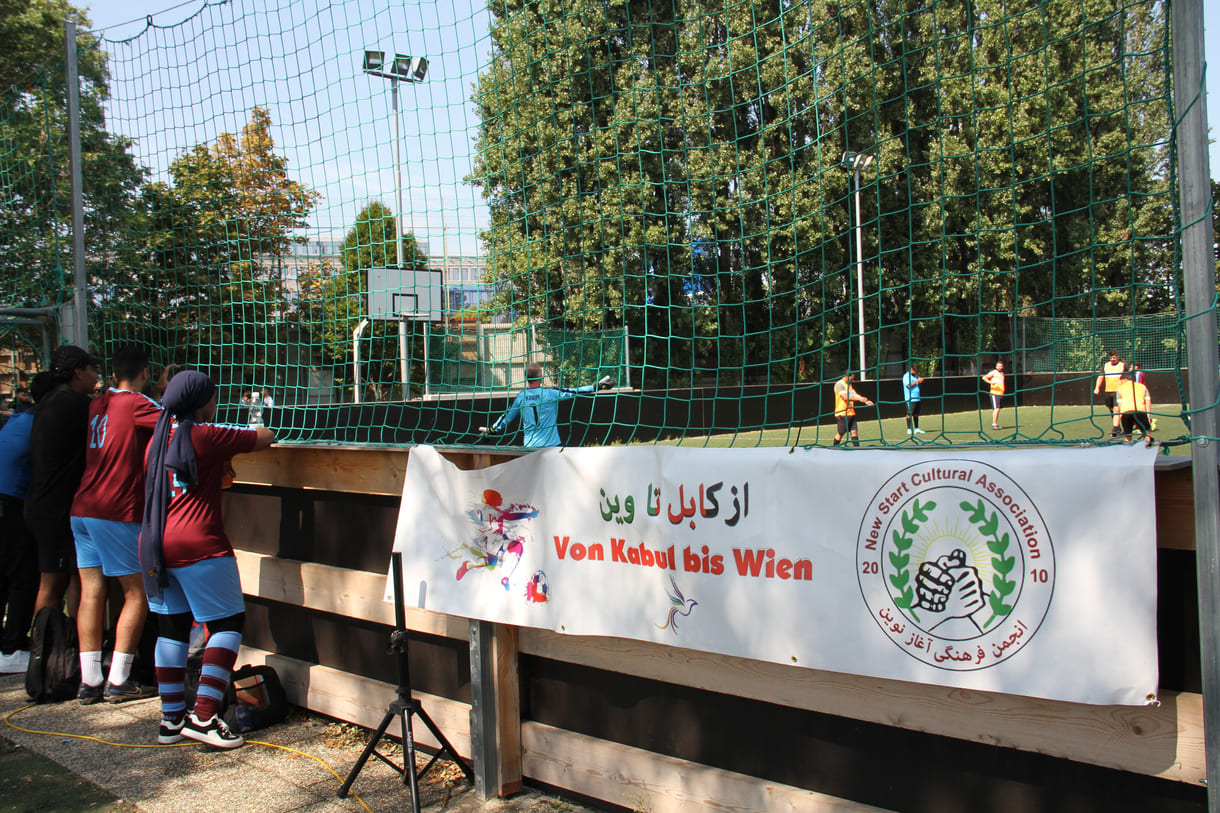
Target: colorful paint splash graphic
537,591
499,539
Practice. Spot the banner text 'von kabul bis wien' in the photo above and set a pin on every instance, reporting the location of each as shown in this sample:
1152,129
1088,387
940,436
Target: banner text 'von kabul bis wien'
1029,572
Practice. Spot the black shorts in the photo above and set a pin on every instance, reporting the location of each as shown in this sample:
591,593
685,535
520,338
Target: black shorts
845,424
56,545
1134,419
997,401
1110,401
18,552
913,409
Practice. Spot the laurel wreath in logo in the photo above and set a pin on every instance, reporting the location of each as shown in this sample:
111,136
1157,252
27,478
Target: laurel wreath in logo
1001,586
900,559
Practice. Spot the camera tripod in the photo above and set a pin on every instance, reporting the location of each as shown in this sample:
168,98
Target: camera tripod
404,707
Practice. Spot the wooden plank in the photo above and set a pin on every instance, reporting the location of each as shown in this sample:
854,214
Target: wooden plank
642,780
351,469
508,708
336,590
1164,740
361,700
1175,508
380,470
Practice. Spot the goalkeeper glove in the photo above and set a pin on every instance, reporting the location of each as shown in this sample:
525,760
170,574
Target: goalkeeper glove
605,383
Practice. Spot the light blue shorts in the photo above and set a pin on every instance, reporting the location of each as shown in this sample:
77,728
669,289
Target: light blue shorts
106,543
209,589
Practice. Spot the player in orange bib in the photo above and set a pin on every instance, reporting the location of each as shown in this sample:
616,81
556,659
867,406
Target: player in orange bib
845,413
1134,405
994,379
1111,375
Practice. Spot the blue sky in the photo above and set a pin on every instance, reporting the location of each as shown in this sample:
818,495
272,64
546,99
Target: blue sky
173,88
332,121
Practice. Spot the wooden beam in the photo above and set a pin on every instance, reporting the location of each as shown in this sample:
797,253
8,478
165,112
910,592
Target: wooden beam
351,469
496,713
361,700
508,708
336,590
642,780
380,470
1165,740
1175,507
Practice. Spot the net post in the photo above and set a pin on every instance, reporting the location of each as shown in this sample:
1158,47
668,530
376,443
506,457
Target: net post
1199,280
80,306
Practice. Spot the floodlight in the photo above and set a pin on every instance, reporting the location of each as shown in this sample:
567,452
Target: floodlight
857,161
374,60
419,68
401,67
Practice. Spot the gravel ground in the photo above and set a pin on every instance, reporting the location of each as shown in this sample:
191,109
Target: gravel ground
297,765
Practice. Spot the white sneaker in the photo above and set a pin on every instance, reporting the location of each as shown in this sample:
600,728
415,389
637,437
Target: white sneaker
919,431
15,662
212,731
909,432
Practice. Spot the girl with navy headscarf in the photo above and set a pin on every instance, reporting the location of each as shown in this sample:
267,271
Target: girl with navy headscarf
187,560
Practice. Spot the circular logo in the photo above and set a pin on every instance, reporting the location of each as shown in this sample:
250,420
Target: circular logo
955,564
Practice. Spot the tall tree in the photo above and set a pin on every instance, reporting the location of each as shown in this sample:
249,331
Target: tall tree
35,202
1014,154
202,273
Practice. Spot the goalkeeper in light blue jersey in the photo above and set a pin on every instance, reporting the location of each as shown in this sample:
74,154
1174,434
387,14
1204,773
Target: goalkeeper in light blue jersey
538,408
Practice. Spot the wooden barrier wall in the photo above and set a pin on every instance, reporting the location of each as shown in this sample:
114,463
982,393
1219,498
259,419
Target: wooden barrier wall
661,728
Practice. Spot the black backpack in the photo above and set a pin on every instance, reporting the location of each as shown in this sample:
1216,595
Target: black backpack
255,698
54,671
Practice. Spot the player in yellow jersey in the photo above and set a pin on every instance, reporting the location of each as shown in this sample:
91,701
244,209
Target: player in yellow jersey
845,412
1134,406
1111,375
994,379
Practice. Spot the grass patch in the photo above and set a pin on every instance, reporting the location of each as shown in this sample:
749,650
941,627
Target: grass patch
30,783
1021,426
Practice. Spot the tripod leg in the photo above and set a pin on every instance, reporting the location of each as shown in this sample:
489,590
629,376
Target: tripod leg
368,752
409,776
446,746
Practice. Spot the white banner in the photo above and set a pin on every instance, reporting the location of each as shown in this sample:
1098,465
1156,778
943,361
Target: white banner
1029,572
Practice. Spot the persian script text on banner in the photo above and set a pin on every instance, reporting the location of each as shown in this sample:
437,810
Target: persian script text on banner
1028,572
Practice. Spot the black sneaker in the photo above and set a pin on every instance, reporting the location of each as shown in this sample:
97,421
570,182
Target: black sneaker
212,731
127,690
88,695
170,732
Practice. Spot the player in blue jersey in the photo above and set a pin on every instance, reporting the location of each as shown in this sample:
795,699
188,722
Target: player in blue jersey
910,394
538,408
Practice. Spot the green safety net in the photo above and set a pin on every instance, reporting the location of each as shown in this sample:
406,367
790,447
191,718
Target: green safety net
721,206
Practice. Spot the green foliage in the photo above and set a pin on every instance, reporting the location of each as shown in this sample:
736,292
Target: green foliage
200,273
679,173
35,263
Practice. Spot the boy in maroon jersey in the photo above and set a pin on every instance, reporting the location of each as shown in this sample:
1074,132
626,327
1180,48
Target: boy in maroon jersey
186,558
106,517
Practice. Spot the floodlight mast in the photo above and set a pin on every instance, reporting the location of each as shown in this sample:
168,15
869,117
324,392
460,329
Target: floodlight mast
404,69
855,163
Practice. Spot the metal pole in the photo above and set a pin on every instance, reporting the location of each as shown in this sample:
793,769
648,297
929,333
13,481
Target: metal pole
860,276
356,358
400,259
81,282
398,253
483,750
1199,282
427,341
404,358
